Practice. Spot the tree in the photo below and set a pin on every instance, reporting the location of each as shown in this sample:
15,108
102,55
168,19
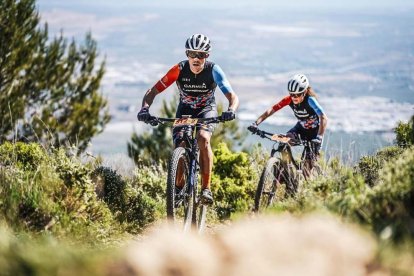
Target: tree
49,89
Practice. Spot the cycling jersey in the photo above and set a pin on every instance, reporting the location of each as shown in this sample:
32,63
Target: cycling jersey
307,112
196,90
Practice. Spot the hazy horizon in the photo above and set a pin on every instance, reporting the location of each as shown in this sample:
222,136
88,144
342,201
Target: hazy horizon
359,60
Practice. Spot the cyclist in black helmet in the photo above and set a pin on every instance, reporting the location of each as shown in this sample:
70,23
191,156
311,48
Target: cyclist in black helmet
196,79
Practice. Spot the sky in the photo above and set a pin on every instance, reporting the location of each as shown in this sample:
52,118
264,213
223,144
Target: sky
297,4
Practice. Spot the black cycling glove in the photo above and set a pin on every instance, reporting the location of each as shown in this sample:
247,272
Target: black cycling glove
228,115
143,115
253,128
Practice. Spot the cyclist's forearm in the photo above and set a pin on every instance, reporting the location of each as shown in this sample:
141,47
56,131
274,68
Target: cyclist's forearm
149,97
264,116
233,100
323,122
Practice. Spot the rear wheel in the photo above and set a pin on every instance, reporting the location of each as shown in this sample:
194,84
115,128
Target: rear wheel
312,169
179,201
272,185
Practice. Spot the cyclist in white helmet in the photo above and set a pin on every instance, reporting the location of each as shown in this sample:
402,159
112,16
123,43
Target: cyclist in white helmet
312,120
196,79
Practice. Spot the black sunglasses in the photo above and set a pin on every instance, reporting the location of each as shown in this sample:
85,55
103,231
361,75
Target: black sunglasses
296,95
199,55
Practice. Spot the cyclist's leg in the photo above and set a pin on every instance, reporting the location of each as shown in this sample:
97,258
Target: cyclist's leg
206,157
206,154
312,153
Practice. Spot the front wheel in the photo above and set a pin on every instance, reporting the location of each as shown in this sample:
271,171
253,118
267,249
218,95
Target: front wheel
199,212
271,186
180,196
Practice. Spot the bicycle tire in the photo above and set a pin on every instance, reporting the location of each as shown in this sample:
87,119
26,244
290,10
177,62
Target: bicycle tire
179,210
271,179
315,171
199,211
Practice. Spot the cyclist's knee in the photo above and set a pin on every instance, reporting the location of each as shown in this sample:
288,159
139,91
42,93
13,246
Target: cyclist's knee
204,138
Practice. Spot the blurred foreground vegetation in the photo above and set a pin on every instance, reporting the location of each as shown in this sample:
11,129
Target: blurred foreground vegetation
59,213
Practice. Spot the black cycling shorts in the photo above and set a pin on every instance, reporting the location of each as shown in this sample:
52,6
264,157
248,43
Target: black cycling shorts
305,134
204,112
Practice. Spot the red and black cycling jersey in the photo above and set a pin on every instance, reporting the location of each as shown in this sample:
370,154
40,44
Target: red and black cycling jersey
196,90
307,112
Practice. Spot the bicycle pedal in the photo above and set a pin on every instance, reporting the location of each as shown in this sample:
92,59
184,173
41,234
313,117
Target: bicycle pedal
206,202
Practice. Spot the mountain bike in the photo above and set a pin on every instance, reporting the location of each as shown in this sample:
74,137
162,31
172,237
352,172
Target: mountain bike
283,174
184,207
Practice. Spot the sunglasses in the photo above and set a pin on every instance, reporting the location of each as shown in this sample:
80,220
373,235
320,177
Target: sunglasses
199,55
296,95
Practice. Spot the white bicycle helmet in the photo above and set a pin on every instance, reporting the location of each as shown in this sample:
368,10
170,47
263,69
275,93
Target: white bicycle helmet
198,42
298,84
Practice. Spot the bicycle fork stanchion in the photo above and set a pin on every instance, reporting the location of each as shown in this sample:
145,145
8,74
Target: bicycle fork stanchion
192,177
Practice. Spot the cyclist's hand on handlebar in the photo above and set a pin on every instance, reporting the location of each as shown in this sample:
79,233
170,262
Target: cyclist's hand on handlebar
153,122
317,139
143,115
228,115
253,128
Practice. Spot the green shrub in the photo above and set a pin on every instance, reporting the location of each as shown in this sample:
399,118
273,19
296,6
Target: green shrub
391,202
232,181
152,180
58,197
141,210
369,166
133,203
405,133
25,255
110,187
24,156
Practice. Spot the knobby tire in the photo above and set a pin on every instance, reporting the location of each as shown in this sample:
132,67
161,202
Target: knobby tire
179,213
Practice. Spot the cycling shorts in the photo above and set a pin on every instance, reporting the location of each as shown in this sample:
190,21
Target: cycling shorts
305,134
203,112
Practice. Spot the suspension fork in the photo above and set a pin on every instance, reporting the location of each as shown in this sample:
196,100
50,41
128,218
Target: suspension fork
193,153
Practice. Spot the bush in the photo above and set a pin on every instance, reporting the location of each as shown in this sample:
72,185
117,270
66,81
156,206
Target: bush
22,155
51,192
134,202
405,133
369,166
110,187
391,202
232,181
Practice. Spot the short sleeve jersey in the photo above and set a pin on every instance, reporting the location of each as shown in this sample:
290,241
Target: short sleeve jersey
307,112
196,90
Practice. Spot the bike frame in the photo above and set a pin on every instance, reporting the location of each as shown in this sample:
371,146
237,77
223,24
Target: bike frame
286,147
191,145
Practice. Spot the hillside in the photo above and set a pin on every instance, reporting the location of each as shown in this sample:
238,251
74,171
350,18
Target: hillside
61,215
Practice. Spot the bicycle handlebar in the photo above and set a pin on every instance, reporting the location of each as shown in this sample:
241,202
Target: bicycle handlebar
281,138
153,120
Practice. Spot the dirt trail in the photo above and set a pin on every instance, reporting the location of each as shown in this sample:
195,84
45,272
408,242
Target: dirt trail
274,245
